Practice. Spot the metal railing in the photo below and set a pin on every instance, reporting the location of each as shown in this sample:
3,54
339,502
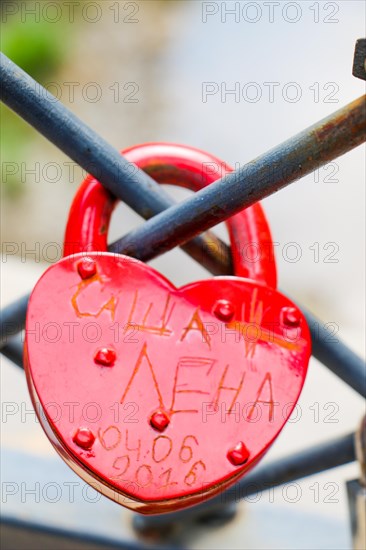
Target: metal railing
182,224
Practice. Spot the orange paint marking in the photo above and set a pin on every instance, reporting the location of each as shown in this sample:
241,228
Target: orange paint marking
196,319
110,305
161,330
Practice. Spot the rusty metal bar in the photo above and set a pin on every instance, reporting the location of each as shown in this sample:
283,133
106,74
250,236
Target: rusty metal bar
295,158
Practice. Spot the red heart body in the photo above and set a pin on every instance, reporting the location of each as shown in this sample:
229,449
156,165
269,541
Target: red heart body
161,396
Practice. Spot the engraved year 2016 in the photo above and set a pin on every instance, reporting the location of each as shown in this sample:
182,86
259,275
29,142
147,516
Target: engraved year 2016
161,450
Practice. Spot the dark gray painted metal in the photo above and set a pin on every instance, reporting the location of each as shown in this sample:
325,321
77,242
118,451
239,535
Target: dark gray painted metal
13,319
359,60
14,350
284,470
54,121
335,355
26,535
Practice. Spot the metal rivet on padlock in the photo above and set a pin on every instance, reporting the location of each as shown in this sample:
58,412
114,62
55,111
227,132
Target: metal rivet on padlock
224,310
84,438
291,316
239,454
159,420
202,375
87,267
105,357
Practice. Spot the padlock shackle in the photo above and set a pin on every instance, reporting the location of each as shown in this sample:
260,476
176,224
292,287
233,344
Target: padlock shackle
250,237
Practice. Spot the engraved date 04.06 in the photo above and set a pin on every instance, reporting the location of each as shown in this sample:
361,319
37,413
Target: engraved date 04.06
156,469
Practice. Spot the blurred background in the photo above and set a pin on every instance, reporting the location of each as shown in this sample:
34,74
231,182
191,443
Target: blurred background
235,79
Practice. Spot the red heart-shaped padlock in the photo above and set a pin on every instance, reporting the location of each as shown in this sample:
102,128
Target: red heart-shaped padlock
162,397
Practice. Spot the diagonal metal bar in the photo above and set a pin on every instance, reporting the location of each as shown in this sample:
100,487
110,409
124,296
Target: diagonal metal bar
298,156
14,350
13,319
284,470
335,355
124,179
282,165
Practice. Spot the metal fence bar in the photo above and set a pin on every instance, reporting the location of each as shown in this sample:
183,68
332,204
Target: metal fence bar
284,470
14,350
298,156
330,351
282,165
335,355
13,319
124,179
24,533
307,462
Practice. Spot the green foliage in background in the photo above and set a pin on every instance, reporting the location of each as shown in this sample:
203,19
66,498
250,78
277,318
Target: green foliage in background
38,48
35,47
